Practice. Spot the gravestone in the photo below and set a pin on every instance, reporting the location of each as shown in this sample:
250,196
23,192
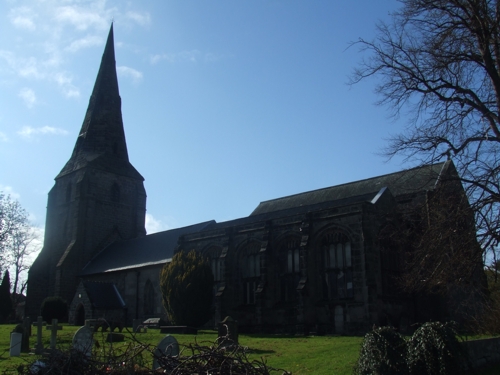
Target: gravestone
168,346
228,332
135,324
39,324
53,328
25,345
83,340
15,344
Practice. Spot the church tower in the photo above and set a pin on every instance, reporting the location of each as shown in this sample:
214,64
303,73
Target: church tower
98,196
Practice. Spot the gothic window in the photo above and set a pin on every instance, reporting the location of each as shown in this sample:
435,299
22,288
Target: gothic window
289,266
250,271
216,263
337,258
115,193
149,298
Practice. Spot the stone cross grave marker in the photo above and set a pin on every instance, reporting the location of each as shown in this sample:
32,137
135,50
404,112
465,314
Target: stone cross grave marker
39,324
53,332
168,346
83,340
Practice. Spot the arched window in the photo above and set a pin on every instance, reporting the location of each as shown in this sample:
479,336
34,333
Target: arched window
149,298
337,257
289,268
115,192
213,254
250,271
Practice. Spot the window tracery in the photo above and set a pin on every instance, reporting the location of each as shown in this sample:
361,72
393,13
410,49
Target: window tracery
337,257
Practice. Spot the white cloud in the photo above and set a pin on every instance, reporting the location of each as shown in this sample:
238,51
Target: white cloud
97,16
29,132
88,41
22,18
3,137
141,18
153,225
64,80
125,71
192,56
8,190
29,97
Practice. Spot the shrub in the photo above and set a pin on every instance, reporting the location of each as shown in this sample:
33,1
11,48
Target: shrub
54,308
434,350
186,284
382,353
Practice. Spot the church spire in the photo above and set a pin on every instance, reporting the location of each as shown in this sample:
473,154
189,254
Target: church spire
102,138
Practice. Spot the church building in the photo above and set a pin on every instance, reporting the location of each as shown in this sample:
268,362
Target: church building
310,262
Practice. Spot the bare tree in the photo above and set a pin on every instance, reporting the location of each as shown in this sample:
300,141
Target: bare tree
13,220
440,59
22,244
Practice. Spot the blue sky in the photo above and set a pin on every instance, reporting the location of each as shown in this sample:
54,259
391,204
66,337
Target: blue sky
225,103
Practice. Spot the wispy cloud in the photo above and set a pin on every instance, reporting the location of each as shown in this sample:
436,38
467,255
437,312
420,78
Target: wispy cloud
3,137
192,56
8,190
83,18
29,132
183,56
23,18
141,18
29,97
61,28
86,42
125,71
154,225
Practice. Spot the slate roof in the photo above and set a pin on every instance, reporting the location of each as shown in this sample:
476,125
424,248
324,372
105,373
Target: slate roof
156,248
104,295
400,183
290,211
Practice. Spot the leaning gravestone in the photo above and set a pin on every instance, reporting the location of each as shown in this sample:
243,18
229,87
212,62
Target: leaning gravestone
83,340
15,344
168,346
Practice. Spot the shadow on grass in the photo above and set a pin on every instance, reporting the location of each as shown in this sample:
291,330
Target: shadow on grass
259,351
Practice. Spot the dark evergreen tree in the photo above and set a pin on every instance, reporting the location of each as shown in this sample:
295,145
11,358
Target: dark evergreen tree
5,299
186,284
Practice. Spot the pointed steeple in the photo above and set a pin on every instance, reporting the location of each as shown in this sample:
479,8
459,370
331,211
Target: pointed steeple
101,141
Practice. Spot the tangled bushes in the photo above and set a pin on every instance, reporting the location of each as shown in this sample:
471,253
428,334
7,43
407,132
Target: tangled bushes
433,350
382,352
215,359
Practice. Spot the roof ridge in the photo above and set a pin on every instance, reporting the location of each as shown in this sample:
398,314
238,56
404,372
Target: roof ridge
354,182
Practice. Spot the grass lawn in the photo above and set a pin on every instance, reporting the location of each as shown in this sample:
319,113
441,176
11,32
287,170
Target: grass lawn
300,355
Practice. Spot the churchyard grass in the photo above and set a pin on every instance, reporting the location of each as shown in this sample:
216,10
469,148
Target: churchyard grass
300,355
